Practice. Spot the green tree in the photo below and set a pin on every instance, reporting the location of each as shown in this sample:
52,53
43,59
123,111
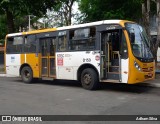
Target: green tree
110,9
14,8
63,12
3,28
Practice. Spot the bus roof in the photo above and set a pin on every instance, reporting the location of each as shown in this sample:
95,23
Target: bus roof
32,32
90,24
70,27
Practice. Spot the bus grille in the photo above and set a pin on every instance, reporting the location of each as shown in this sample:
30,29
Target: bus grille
147,69
148,77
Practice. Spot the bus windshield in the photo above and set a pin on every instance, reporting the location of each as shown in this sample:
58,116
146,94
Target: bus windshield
139,41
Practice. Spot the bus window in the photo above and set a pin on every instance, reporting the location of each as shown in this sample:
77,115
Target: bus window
62,41
82,39
44,47
30,44
123,47
52,47
14,44
139,41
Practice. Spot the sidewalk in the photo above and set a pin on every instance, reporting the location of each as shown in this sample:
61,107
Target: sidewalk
153,83
1,69
156,82
2,74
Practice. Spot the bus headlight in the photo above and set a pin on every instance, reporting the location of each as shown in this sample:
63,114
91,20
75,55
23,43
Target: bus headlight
137,66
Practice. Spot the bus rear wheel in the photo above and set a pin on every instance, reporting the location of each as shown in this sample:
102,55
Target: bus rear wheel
89,79
27,74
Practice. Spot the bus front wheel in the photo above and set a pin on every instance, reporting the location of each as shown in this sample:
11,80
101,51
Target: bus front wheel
89,79
27,74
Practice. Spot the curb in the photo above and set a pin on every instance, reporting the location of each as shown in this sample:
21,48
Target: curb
2,75
5,75
152,83
155,85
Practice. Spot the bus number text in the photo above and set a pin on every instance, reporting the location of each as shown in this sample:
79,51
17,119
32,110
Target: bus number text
86,60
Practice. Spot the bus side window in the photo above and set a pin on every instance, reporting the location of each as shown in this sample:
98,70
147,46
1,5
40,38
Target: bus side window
15,44
52,46
123,47
82,39
30,44
10,47
62,43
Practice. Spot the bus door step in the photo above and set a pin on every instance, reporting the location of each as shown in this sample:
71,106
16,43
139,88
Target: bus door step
112,75
115,62
47,78
114,69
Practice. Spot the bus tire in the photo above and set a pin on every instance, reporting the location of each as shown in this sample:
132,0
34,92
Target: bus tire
89,79
27,74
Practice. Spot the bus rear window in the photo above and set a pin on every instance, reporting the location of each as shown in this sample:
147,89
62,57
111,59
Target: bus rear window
14,44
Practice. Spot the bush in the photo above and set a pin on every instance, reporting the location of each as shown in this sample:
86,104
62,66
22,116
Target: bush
1,42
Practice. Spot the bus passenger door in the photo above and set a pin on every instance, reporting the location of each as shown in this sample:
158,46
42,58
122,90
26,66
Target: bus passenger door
48,47
110,56
114,57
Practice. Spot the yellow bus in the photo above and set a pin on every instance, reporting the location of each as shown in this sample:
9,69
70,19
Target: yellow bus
104,51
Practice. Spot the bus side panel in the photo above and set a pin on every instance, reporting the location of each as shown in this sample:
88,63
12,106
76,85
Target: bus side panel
66,73
124,70
136,76
13,62
158,61
68,63
33,61
22,59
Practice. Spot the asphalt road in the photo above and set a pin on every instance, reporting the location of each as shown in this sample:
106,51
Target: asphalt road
69,98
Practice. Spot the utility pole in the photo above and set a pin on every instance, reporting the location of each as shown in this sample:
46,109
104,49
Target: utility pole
29,23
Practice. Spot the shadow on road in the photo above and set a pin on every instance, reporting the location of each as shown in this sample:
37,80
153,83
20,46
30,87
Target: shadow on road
136,88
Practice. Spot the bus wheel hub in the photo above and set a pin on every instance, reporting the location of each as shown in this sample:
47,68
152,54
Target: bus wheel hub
87,79
27,75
